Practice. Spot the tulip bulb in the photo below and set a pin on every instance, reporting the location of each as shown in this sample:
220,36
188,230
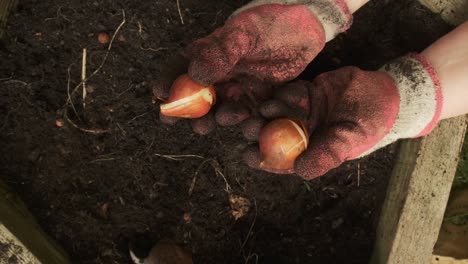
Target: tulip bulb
188,99
164,252
281,142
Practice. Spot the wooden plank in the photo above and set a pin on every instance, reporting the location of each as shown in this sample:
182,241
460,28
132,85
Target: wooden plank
447,260
12,250
417,195
5,7
454,12
418,191
25,233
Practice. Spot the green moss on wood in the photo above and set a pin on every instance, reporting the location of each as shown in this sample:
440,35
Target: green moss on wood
461,179
6,6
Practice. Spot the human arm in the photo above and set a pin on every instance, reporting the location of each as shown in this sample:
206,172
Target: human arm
449,57
354,5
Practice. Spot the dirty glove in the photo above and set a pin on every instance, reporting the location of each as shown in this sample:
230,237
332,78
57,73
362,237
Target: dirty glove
351,113
273,40
266,41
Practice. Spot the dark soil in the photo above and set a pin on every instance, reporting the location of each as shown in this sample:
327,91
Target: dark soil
92,192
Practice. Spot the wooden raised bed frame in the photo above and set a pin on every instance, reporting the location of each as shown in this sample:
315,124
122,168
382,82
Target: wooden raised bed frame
420,185
411,215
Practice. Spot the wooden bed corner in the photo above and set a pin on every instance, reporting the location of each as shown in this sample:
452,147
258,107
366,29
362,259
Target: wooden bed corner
419,189
417,195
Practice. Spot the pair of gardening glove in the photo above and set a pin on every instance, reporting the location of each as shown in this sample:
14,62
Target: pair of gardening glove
348,112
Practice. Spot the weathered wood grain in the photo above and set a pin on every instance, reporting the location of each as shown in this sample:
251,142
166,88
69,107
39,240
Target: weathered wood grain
417,195
452,11
5,8
20,233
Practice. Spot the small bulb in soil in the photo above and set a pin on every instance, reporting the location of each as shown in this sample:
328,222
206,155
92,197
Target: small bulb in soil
59,123
165,251
187,218
281,142
188,99
103,38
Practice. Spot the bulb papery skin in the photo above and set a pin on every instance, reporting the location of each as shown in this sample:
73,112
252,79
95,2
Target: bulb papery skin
281,142
188,99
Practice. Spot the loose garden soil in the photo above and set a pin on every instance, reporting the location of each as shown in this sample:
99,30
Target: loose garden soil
92,189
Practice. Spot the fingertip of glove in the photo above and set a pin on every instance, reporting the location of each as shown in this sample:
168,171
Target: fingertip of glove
207,69
205,125
210,63
252,127
251,156
230,114
200,73
273,109
308,169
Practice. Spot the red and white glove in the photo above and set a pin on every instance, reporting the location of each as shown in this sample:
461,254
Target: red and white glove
351,113
263,43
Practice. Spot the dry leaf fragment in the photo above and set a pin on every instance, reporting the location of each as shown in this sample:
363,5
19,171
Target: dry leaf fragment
103,38
240,206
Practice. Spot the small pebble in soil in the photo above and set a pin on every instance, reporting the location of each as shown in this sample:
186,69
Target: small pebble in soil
337,223
142,89
144,35
34,155
159,215
104,210
103,38
59,123
187,218
90,88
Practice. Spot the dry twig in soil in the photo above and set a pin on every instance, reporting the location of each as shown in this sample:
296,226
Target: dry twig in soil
178,157
180,12
83,77
251,226
105,56
195,176
69,101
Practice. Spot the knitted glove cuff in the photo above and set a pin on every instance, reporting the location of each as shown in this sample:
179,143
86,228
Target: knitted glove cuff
333,14
420,98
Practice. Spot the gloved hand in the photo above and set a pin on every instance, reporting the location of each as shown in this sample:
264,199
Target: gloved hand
265,42
350,112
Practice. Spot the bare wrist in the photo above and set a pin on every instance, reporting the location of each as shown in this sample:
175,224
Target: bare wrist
449,56
354,5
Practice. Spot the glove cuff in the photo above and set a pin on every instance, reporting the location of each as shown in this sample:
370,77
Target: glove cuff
420,98
434,79
334,15
420,95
